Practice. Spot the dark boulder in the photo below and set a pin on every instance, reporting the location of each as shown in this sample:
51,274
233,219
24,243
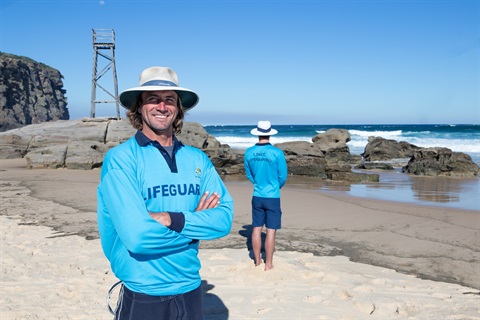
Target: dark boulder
380,149
441,162
226,161
307,166
374,166
328,157
332,139
354,177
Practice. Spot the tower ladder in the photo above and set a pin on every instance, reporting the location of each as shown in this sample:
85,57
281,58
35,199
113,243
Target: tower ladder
103,47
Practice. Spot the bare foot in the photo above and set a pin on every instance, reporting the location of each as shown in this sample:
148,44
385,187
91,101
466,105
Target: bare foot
258,263
268,267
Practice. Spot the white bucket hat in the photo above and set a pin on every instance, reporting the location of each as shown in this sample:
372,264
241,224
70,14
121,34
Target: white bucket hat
159,79
264,128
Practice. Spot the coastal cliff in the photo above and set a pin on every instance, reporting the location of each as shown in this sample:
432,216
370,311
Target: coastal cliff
30,93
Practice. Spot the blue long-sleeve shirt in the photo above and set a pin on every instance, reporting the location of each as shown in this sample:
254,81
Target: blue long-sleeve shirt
266,167
139,177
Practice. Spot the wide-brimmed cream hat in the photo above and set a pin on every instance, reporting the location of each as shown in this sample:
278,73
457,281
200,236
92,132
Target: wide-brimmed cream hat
264,128
159,79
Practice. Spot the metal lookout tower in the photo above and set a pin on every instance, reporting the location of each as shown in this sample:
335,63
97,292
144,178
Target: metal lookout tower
103,46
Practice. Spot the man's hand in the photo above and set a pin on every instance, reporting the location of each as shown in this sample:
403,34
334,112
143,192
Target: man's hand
162,217
208,202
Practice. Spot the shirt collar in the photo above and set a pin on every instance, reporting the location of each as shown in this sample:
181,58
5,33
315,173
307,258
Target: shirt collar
143,140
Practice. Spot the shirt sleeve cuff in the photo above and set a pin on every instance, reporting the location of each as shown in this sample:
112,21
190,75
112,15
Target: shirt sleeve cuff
178,221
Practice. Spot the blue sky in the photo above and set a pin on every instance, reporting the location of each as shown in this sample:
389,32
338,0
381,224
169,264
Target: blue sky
290,62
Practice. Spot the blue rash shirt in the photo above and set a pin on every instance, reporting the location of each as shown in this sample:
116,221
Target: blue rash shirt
266,167
138,177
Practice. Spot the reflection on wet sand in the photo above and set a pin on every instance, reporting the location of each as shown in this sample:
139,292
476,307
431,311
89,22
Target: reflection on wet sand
439,189
300,182
317,183
396,186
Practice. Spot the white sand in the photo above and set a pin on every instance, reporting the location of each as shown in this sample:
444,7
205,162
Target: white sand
303,286
47,276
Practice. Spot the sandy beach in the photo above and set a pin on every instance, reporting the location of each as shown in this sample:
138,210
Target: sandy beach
337,257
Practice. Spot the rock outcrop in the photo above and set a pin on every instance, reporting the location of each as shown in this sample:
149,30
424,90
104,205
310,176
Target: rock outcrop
383,154
81,144
327,157
441,162
380,149
30,92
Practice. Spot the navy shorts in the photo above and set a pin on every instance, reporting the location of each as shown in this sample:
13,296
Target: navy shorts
266,212
137,306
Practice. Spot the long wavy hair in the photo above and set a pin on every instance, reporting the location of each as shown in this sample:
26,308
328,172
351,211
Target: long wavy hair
135,117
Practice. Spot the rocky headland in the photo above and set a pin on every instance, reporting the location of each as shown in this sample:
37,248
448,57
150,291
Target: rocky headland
30,92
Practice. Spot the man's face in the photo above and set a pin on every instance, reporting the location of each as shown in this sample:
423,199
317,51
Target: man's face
159,111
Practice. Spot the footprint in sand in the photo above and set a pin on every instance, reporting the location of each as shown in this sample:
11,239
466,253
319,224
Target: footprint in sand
380,281
313,299
365,307
344,295
260,300
364,289
219,256
443,296
312,275
263,310
330,278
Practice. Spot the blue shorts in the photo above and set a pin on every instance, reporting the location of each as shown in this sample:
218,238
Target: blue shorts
266,212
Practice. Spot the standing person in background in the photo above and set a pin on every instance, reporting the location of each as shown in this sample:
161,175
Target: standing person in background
266,168
156,199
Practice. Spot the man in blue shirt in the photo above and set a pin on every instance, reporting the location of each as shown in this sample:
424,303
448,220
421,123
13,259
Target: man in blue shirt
266,168
156,199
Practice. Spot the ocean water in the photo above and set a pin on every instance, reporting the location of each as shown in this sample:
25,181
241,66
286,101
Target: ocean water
459,138
395,186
